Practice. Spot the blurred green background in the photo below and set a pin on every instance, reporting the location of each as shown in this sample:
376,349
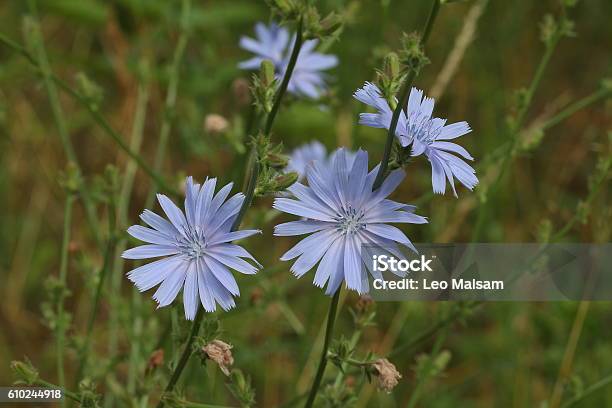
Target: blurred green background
501,354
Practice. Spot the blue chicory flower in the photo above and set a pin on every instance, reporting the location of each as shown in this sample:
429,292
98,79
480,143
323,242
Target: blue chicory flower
427,135
197,249
343,214
273,43
305,154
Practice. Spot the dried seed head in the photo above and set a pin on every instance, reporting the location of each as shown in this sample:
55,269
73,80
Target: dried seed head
215,124
364,303
220,352
388,376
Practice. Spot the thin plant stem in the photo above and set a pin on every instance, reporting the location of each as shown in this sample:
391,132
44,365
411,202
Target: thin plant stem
45,384
441,324
84,352
297,46
516,128
60,121
574,107
249,194
569,354
60,328
173,82
588,391
416,393
352,343
433,13
180,366
462,42
96,116
403,99
331,319
280,93
122,209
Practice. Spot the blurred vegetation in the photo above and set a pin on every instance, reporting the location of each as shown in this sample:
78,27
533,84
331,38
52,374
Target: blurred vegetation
121,56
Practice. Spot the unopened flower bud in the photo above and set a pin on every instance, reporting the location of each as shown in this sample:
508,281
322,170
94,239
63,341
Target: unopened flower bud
278,161
25,371
330,24
364,303
286,180
220,352
215,124
89,89
388,376
266,72
412,54
392,65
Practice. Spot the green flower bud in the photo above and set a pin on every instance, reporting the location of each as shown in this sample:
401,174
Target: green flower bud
89,89
241,388
330,24
288,10
70,179
266,72
412,54
284,181
25,371
277,161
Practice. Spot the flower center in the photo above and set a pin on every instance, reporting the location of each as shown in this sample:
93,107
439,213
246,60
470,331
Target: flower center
349,220
423,128
193,244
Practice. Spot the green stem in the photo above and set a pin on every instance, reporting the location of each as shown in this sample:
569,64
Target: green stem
286,77
433,13
426,374
83,355
97,117
516,129
352,344
60,328
403,100
331,318
587,392
459,312
249,193
190,404
170,102
122,217
599,183
254,172
180,366
72,395
58,116
254,168
580,104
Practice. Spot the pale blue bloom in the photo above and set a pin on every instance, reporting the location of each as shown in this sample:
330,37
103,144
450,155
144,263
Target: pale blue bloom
344,215
427,135
305,154
197,249
273,43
